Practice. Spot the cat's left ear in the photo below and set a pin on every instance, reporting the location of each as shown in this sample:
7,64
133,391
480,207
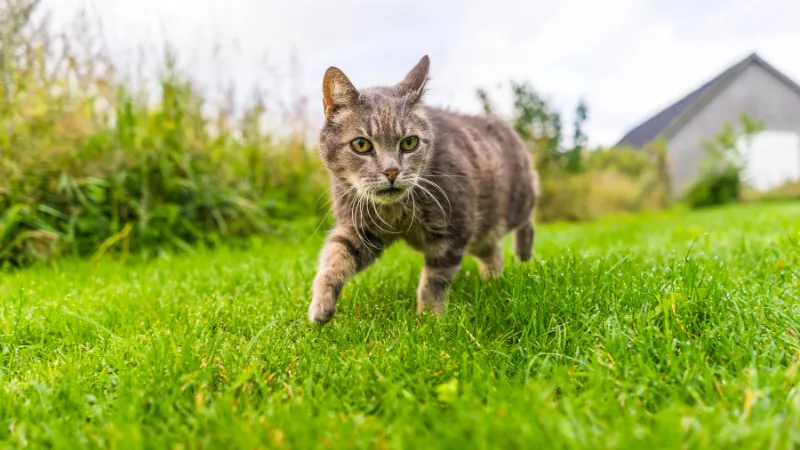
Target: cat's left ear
413,85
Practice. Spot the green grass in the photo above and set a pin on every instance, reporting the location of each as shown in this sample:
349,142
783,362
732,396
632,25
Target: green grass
670,330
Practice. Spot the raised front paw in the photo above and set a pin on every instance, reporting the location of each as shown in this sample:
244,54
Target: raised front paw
321,309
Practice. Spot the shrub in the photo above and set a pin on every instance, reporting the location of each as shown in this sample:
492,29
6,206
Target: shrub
594,194
629,161
715,188
789,190
720,179
87,165
579,184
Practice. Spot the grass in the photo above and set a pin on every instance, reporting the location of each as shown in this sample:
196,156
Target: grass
673,330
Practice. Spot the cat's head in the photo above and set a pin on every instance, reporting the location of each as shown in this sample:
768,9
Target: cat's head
377,140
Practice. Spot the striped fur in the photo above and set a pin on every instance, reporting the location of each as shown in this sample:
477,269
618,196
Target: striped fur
468,183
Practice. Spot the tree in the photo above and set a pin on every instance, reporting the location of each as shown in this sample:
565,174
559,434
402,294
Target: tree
574,156
540,127
486,102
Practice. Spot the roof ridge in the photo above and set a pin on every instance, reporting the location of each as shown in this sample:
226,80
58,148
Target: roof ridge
662,120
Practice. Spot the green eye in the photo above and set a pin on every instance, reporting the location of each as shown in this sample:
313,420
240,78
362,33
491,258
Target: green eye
409,144
361,145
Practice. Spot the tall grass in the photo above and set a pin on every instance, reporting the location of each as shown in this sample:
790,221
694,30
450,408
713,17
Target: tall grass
88,165
676,331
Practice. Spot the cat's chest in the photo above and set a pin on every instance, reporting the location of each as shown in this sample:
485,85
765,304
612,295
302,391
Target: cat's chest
413,226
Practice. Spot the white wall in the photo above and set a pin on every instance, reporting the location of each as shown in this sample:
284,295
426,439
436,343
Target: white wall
772,158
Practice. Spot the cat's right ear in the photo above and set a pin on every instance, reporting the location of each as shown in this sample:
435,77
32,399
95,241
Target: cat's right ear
337,92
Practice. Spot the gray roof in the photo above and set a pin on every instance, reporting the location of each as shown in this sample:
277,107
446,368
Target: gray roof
681,111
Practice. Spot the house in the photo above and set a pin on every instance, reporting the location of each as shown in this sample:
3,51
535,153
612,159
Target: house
751,86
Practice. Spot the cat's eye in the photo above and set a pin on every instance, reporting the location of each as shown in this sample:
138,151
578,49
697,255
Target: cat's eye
409,144
361,145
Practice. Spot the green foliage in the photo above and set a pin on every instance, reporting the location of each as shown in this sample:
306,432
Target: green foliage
629,161
579,138
574,157
789,190
715,188
539,126
87,165
720,180
673,331
486,102
578,183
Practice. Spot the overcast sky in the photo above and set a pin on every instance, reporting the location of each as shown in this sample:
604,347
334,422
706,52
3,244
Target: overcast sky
627,58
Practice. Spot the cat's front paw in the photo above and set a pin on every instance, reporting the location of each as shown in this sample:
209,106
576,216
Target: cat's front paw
437,308
321,313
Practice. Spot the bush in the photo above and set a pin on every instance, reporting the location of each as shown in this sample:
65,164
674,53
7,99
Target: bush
579,184
587,196
594,194
720,180
789,190
87,165
629,161
716,188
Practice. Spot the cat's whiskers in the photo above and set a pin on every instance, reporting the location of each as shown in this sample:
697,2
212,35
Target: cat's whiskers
433,197
360,212
436,185
413,210
325,192
330,209
358,225
440,174
449,205
363,199
380,218
377,210
352,209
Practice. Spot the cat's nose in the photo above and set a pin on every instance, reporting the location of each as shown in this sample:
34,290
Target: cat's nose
391,174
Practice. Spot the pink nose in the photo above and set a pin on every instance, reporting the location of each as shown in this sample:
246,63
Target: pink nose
391,174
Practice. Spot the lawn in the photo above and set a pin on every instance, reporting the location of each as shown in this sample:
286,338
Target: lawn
671,330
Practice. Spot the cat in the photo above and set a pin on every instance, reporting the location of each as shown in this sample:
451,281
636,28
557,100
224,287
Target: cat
447,184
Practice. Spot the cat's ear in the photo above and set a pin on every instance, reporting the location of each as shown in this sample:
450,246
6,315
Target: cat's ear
413,85
337,92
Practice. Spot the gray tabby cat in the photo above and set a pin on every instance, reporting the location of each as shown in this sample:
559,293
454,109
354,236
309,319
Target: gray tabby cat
445,183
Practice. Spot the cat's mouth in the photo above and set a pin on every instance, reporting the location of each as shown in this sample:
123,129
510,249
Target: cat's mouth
389,194
389,191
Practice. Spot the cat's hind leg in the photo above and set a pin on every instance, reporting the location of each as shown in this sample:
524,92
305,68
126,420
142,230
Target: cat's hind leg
523,240
441,267
490,258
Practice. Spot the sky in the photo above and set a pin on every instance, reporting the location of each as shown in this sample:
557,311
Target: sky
627,58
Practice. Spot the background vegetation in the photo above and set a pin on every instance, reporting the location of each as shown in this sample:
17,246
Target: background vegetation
92,163
579,183
721,173
87,163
